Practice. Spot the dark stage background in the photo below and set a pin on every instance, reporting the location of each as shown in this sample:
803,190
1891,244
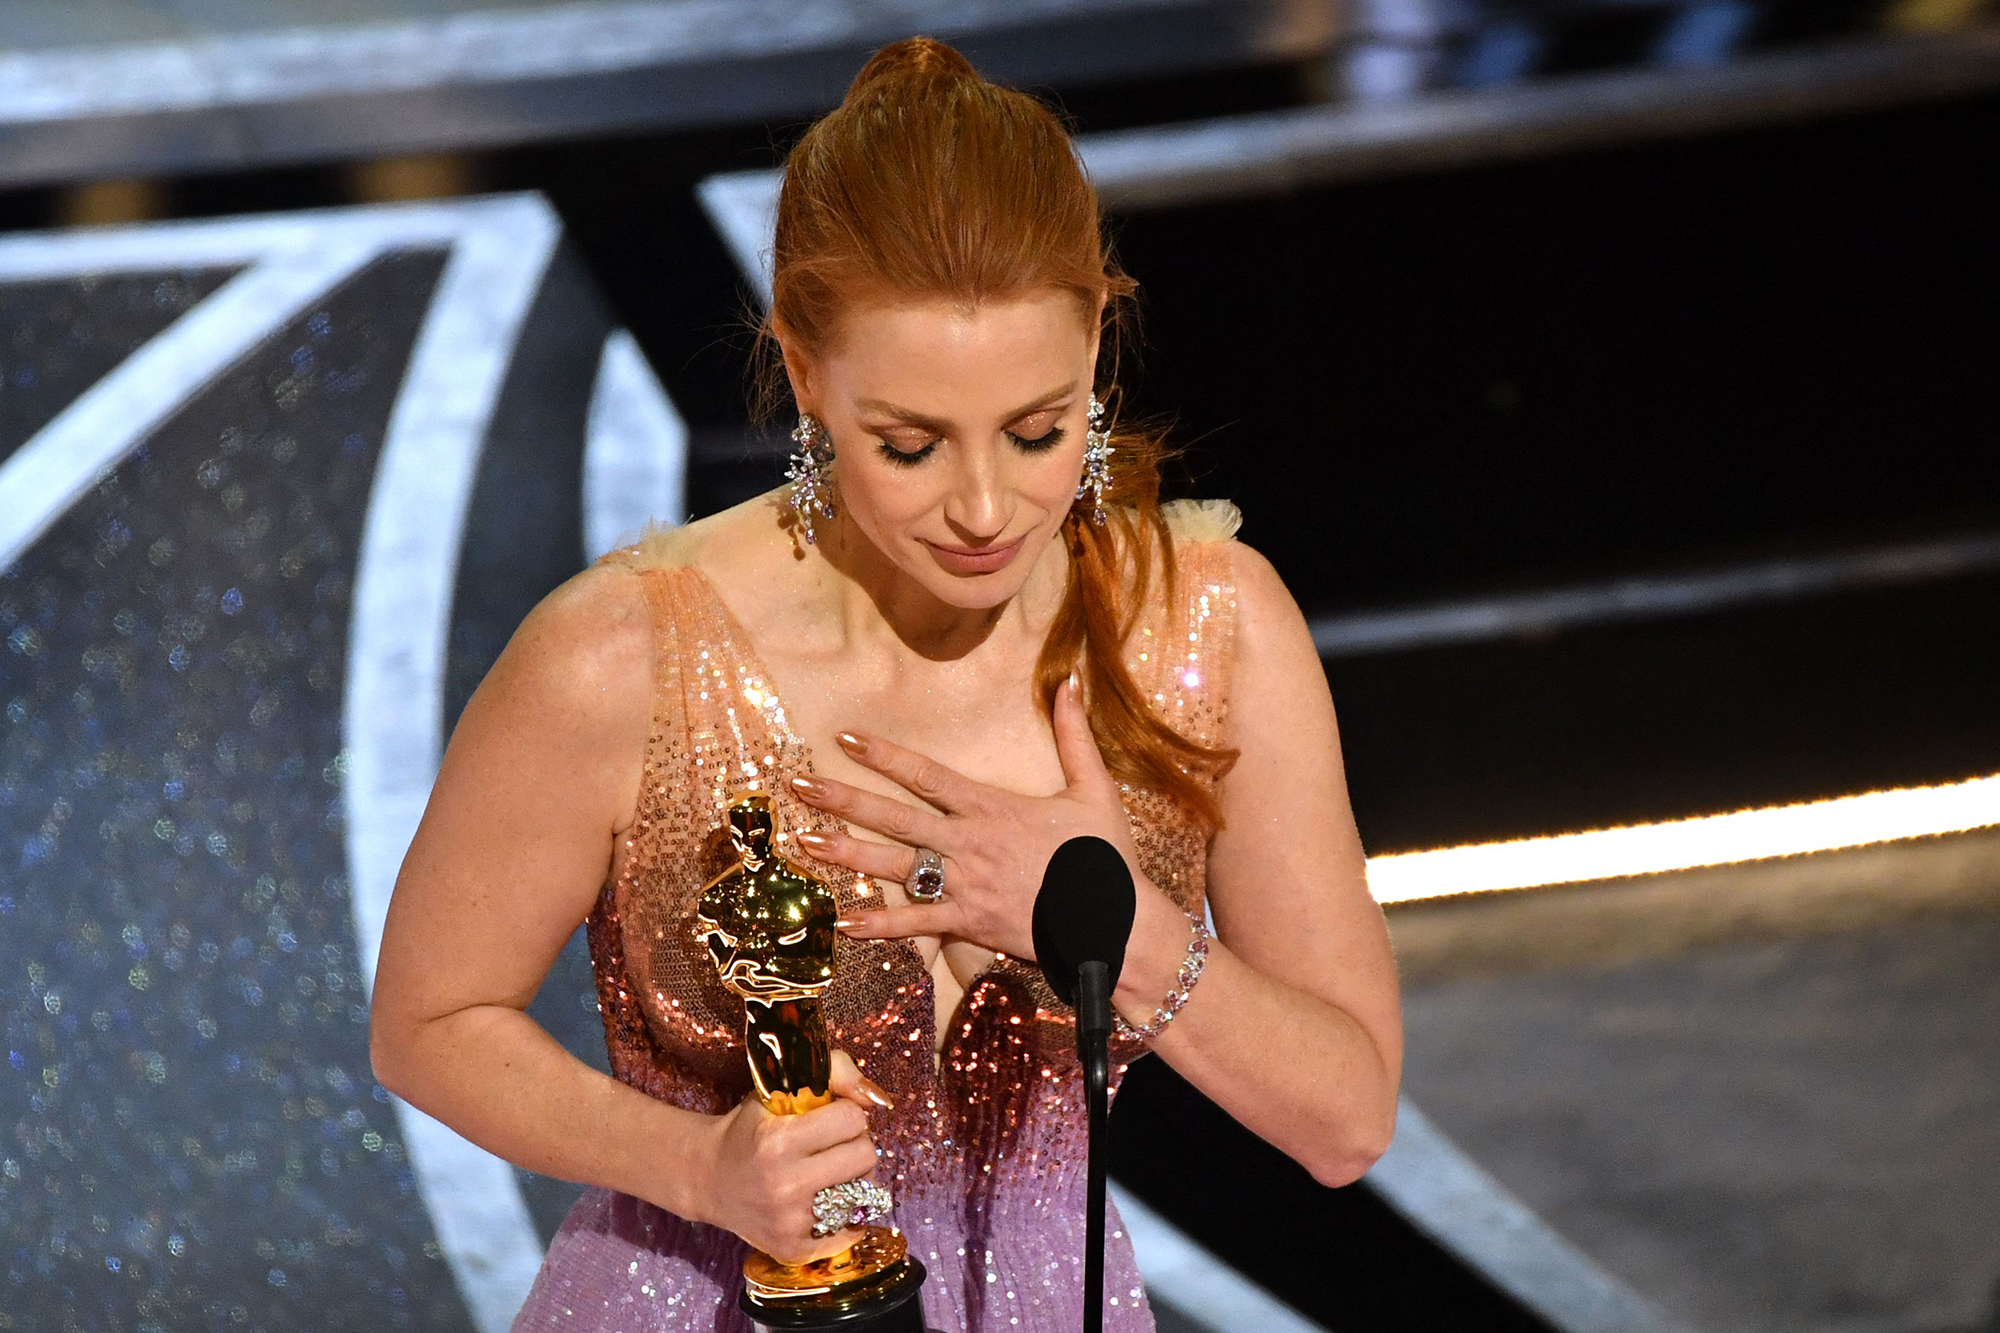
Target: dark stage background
1647,358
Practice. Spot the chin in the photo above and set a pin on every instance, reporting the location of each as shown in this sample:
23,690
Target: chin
976,592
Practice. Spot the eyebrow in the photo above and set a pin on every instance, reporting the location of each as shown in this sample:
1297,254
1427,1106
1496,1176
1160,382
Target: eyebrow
904,414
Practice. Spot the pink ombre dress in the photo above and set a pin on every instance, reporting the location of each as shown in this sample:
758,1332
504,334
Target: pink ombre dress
984,1150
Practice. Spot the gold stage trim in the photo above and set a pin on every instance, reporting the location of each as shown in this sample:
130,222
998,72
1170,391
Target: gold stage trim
1685,844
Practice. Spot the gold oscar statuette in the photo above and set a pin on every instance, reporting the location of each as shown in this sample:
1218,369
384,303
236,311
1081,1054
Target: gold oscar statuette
768,922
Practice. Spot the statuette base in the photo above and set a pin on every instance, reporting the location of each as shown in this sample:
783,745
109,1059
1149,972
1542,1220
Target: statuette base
870,1288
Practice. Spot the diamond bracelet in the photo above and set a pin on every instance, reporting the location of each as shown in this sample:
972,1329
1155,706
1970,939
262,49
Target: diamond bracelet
1177,998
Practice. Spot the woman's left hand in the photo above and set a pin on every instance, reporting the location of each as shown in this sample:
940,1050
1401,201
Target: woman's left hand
995,844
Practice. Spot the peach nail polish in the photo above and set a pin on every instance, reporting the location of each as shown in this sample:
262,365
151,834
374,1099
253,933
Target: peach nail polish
849,741
810,786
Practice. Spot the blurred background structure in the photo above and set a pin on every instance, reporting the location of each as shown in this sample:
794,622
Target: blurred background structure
1611,380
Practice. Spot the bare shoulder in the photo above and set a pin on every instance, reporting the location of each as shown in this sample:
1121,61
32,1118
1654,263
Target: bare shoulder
586,652
1273,647
1275,663
1281,721
751,555
581,661
734,541
1265,608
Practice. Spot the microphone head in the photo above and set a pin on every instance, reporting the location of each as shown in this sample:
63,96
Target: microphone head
1083,913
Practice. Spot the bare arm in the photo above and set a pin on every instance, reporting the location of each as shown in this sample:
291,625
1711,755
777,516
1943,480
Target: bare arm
541,774
1295,1027
541,778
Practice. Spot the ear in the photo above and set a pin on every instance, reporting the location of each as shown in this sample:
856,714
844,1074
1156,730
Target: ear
798,368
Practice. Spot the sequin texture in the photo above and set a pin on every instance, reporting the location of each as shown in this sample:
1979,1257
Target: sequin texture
985,1147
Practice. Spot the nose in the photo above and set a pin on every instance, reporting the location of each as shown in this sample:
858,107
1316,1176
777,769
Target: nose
976,506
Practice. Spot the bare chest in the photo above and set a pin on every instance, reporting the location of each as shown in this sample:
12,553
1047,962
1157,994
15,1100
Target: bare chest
985,725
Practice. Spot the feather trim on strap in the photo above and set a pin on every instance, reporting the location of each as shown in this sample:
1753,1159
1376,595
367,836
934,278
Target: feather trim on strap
660,546
1195,521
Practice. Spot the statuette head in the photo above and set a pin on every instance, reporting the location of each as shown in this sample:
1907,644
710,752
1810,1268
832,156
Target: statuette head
767,921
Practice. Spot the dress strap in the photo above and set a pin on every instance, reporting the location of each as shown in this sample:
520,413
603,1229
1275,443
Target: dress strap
634,1056
670,704
1181,651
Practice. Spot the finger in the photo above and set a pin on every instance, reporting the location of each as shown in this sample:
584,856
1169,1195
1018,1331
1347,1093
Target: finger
902,923
838,1243
1082,762
854,1160
878,860
920,775
821,1128
905,823
857,1087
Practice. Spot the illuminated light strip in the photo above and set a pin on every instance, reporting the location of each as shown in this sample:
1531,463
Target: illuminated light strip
1522,615
483,47
1686,844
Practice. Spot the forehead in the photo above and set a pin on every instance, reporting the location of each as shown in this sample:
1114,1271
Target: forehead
925,354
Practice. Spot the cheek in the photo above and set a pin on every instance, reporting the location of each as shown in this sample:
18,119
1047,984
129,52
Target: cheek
1056,473
885,494
1048,480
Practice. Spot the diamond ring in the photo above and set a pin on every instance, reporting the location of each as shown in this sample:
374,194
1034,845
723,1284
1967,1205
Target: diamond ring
926,881
852,1203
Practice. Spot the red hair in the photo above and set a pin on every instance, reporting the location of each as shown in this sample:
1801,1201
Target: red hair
929,182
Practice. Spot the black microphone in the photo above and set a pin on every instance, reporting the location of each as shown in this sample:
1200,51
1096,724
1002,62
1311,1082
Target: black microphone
1083,914
1083,921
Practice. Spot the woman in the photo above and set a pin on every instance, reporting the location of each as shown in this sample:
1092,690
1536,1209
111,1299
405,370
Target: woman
964,634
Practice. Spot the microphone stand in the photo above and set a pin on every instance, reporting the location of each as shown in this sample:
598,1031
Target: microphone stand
1093,1048
1083,921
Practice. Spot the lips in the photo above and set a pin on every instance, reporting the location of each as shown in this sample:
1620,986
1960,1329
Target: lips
984,560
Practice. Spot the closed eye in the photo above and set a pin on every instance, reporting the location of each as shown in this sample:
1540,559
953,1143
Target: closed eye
1048,439
907,457
1033,444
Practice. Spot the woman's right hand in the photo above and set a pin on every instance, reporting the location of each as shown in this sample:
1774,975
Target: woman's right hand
765,1169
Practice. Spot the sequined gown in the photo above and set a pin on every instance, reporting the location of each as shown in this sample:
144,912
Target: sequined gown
984,1149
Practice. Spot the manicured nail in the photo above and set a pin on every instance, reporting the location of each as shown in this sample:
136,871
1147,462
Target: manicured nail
808,786
1075,685
849,741
848,923
874,1093
819,842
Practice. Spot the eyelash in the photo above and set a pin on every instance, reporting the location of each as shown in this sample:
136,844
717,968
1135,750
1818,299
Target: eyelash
912,457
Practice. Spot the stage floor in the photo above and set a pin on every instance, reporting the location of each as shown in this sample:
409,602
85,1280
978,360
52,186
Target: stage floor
1766,1100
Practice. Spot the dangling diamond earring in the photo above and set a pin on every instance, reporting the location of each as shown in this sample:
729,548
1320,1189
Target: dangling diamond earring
1097,453
811,474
